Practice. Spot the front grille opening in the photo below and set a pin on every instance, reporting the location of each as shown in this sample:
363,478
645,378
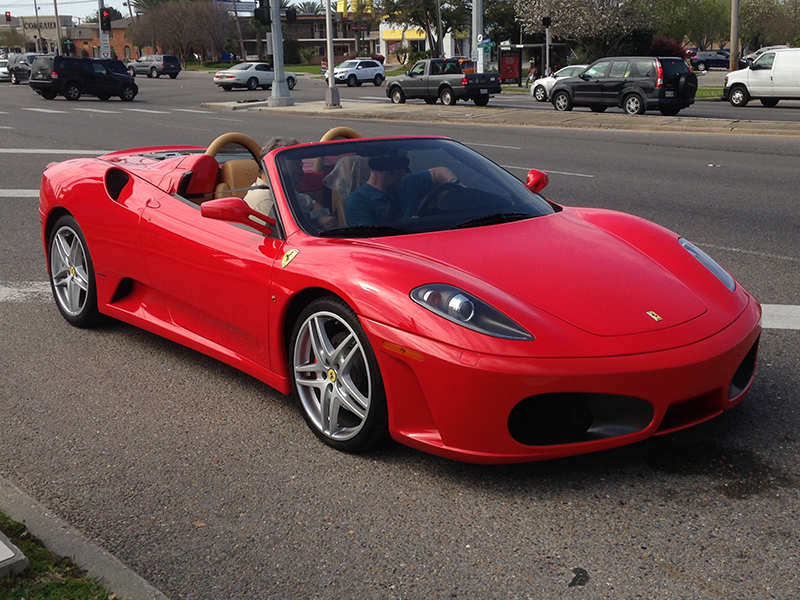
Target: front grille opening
744,374
573,418
116,180
692,412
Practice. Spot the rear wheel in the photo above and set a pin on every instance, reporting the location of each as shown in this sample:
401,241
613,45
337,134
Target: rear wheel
252,83
336,378
398,97
173,75
431,100
72,92
131,71
633,104
227,88
562,101
669,111
48,94
447,97
153,73
770,102
539,93
378,80
72,274
598,108
739,96
103,97
481,100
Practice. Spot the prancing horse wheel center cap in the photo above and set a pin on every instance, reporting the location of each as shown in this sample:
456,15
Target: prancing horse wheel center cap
331,375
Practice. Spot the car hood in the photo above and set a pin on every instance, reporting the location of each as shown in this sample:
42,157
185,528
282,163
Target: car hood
567,267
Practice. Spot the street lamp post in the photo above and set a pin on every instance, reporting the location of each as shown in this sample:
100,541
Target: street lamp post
331,93
280,90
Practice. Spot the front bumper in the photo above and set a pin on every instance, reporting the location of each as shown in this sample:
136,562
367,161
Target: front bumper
476,407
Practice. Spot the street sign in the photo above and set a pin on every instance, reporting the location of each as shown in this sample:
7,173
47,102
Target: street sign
105,45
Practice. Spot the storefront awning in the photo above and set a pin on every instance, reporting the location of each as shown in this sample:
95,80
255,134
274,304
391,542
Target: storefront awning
397,34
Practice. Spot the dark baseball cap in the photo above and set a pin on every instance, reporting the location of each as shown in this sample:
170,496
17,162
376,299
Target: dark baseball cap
388,163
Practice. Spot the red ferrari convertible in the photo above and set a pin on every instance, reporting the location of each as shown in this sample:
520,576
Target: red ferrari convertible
406,288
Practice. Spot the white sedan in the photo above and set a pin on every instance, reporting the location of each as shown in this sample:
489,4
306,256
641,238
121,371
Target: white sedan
540,89
250,75
4,74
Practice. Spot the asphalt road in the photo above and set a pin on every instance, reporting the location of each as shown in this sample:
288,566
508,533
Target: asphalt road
208,484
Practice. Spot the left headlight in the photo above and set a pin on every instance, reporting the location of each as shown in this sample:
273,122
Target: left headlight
709,264
463,308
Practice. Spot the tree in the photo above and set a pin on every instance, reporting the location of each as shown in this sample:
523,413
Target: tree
766,23
703,22
456,14
11,38
310,8
94,18
603,27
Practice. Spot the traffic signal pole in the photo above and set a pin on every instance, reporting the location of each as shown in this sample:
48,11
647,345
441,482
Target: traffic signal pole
280,90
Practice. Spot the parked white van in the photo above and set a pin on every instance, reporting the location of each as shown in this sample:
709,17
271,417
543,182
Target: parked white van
774,76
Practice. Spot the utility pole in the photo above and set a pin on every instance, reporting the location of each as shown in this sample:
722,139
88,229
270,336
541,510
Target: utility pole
477,30
38,27
734,63
58,27
331,93
280,90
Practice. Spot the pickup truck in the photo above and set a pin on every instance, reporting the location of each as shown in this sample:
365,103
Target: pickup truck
438,78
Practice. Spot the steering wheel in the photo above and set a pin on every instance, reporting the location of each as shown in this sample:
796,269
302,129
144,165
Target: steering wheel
428,203
234,138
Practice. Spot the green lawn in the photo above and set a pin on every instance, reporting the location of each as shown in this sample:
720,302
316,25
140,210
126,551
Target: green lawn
49,577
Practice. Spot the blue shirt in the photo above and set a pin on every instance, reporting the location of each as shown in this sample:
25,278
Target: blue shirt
370,206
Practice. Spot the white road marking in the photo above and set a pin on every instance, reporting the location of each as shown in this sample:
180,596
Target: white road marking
146,110
192,110
224,119
51,151
47,110
549,171
493,146
19,193
98,110
752,252
6,127
775,316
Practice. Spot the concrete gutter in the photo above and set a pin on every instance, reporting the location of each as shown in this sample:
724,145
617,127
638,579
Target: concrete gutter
513,117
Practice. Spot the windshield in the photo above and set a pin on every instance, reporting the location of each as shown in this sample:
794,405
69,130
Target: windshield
369,188
348,64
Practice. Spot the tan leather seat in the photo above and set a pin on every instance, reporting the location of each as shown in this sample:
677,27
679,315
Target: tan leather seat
235,175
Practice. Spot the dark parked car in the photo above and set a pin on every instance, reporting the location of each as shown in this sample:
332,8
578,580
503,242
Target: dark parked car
155,65
634,83
73,77
19,66
713,59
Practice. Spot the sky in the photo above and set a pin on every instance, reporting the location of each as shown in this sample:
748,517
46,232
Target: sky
76,8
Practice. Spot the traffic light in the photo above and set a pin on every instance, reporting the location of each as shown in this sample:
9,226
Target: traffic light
291,14
546,21
105,20
262,12
8,16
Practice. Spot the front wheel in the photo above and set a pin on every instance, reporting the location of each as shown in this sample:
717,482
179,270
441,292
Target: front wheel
562,101
14,79
739,96
252,84
352,81
539,93
131,71
290,82
127,93
72,274
154,73
398,97
633,104
447,97
336,378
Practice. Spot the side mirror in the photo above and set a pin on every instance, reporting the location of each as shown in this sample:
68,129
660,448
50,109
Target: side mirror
408,73
584,76
235,210
537,180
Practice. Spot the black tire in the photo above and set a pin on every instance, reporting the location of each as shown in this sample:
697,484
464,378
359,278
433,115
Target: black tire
598,108
48,94
447,97
701,66
739,96
227,88
173,75
103,97
633,104
154,73
252,84
290,82
669,111
562,101
378,81
481,100
539,93
352,81
72,92
770,102
14,79
72,279
127,93
344,401
397,95
131,71
431,100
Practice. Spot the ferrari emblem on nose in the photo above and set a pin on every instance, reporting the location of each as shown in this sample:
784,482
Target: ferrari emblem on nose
654,315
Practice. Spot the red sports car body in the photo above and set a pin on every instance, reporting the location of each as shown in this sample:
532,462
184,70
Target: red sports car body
487,324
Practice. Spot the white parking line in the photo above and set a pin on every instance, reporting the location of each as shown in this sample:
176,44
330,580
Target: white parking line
47,110
98,110
780,316
146,110
19,193
192,110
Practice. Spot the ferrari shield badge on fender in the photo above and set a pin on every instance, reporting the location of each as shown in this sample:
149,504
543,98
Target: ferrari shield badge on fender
654,315
287,258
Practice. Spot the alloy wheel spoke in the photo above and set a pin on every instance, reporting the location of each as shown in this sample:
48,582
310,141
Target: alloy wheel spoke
352,398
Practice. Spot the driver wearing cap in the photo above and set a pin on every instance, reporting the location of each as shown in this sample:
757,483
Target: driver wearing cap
392,193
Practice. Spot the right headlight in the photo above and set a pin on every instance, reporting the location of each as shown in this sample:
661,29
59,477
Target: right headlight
461,307
709,264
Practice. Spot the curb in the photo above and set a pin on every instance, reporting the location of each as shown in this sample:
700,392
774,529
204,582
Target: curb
65,540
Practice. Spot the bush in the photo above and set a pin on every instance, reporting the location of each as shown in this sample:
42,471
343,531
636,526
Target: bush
419,55
667,47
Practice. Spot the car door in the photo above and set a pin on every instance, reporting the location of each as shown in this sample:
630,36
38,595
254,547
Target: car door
615,81
786,75
415,84
761,76
103,82
264,73
588,88
215,276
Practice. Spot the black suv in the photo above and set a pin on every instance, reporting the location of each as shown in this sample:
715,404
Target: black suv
72,77
155,65
634,83
19,66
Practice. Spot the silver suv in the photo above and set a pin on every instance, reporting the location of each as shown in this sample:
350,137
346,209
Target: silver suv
357,71
155,65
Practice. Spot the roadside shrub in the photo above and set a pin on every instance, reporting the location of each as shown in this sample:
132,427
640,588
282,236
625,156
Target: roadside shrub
419,55
667,47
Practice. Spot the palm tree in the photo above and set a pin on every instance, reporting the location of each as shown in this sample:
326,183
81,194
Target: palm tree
310,8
